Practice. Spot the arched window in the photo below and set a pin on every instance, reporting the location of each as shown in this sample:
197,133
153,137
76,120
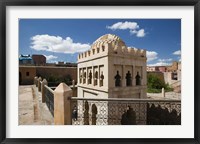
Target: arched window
138,79
93,51
117,80
90,77
80,77
101,79
95,78
103,48
84,77
86,113
94,113
97,50
128,79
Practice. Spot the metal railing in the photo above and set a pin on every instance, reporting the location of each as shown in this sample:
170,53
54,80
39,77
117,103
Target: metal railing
49,98
124,111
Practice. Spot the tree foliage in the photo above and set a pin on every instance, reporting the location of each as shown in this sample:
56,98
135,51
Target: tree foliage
54,80
155,84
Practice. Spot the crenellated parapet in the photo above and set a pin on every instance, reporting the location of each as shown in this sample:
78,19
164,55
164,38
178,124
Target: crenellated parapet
110,44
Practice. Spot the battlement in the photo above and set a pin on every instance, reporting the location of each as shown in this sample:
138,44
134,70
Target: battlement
111,44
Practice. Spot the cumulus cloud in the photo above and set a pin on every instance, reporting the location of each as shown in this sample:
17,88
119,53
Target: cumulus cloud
178,52
160,64
133,27
165,60
50,57
124,25
140,33
57,44
151,55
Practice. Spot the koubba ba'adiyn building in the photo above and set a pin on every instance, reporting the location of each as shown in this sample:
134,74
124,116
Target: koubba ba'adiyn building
110,69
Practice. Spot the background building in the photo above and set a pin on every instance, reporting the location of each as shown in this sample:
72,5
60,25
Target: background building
39,59
170,74
25,59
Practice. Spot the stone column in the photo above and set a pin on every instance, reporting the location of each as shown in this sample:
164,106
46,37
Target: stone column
87,75
143,75
39,84
123,79
92,80
44,82
99,74
133,77
62,105
78,75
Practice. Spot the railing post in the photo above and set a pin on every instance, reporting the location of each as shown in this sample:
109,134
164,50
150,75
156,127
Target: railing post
44,82
39,84
163,92
73,83
62,105
35,80
73,88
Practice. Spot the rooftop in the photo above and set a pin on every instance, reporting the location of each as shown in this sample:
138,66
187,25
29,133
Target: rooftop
108,38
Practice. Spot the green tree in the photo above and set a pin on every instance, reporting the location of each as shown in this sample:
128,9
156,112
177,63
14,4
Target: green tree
68,79
155,84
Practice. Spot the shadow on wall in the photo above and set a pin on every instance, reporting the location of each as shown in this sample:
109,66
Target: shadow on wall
160,116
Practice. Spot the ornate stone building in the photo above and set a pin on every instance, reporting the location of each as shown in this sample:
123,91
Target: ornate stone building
110,69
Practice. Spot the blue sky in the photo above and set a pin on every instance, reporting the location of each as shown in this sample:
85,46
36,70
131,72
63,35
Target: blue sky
63,39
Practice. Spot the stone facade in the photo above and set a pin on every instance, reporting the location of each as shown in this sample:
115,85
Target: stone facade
109,69
112,70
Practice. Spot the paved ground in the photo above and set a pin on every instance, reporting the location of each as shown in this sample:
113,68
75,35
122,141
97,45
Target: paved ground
31,109
168,95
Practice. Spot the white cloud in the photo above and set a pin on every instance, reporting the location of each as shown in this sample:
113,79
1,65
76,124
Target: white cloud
132,26
151,55
123,26
57,44
50,57
160,64
55,62
165,60
178,52
140,33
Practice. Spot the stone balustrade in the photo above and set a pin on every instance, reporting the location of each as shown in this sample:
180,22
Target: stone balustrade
57,100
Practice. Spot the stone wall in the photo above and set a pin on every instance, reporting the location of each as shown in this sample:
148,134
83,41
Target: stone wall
60,72
44,72
26,75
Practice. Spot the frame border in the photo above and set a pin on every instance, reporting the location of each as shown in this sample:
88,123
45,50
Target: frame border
4,3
